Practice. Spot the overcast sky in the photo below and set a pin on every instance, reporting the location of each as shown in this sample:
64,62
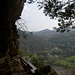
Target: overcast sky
35,20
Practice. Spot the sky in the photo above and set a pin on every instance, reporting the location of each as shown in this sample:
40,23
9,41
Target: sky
35,19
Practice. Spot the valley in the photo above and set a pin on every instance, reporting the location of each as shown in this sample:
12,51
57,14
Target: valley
50,48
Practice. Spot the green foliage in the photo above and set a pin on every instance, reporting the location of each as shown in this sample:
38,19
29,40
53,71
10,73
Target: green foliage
37,62
70,59
57,60
62,47
33,44
65,43
19,52
34,59
67,62
57,51
62,63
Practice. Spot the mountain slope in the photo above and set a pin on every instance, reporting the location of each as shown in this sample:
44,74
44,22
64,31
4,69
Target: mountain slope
63,38
30,43
46,33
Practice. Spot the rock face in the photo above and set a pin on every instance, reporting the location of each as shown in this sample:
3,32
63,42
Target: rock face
10,11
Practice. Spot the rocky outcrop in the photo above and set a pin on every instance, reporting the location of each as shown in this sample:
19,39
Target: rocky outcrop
10,11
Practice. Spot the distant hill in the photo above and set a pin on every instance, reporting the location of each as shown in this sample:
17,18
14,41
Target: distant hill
56,38
47,40
30,43
46,33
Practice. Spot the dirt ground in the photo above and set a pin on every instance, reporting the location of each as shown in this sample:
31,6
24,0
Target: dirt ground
64,71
